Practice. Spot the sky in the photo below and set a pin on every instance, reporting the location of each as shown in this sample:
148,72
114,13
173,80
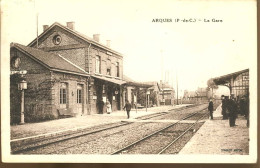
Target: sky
191,52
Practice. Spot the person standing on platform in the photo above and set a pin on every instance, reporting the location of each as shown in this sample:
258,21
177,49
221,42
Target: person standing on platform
242,106
128,108
108,107
210,108
224,108
232,108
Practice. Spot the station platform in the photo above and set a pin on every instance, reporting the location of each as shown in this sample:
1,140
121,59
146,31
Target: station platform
50,128
217,137
214,137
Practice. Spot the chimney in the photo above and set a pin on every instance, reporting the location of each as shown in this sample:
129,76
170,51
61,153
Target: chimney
45,27
96,37
71,25
108,43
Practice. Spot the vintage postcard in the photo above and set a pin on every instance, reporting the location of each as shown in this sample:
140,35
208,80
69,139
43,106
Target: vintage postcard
110,81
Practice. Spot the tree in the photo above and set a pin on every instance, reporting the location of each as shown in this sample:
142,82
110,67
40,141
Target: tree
212,85
153,97
141,96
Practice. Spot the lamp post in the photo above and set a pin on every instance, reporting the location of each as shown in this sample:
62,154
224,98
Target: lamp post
22,85
147,92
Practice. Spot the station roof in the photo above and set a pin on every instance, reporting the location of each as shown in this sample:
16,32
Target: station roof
51,61
110,79
131,82
226,78
77,34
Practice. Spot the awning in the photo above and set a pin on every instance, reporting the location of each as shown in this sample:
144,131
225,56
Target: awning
139,84
110,79
131,82
226,78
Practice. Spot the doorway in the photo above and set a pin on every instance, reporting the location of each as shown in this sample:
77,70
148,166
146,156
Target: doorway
79,99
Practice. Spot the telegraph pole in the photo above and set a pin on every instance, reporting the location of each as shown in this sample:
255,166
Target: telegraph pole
37,15
177,88
162,64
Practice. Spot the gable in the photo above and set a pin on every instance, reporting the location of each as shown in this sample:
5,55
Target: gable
57,37
80,38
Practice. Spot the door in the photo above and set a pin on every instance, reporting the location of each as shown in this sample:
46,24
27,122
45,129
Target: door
63,96
79,99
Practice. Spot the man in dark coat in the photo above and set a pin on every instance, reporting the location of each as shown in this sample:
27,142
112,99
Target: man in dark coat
100,105
224,108
232,108
242,106
210,108
128,108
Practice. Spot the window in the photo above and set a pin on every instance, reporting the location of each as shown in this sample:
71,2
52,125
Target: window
56,39
117,69
98,65
108,71
108,62
63,93
79,95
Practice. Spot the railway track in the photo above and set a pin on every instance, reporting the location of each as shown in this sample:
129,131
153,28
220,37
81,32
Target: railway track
31,146
132,145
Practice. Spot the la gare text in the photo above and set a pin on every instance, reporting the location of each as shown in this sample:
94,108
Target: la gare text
190,20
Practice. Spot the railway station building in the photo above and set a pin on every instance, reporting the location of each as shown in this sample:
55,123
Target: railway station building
67,73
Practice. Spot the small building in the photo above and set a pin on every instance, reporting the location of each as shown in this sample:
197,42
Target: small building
167,94
137,93
154,93
55,85
189,95
202,94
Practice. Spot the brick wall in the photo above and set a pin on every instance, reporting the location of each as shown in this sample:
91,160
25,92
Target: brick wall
95,51
72,81
42,97
37,96
76,50
79,55
65,39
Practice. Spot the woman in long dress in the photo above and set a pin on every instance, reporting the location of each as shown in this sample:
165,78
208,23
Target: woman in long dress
108,107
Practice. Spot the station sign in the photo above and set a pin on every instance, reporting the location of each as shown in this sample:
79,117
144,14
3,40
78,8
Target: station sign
23,72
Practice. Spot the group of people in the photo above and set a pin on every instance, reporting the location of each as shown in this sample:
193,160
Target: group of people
127,107
231,108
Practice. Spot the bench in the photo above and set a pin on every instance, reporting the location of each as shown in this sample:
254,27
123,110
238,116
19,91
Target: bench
139,106
66,112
